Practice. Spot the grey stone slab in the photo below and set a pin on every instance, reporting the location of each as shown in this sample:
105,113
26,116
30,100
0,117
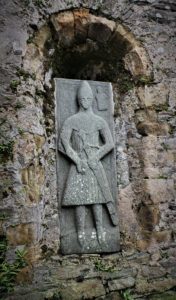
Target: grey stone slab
86,167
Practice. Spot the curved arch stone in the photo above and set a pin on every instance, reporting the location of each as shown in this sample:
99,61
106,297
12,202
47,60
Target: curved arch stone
79,25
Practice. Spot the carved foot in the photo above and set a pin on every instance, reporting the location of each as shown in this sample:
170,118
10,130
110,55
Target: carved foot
81,238
100,235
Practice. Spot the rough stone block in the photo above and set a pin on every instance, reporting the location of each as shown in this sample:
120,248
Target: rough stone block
152,272
100,29
119,274
136,60
113,296
119,284
71,272
154,96
36,67
160,190
27,147
88,289
149,216
81,19
64,26
164,236
153,128
41,37
23,234
145,287
128,221
172,97
33,179
171,295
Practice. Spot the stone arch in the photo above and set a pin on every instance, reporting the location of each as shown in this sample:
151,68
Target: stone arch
80,27
79,37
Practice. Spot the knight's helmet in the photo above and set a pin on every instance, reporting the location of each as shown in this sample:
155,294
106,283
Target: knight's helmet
84,90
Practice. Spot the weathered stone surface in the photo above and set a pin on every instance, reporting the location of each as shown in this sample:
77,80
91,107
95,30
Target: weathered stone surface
152,272
88,290
160,190
169,264
154,96
81,21
119,284
157,155
137,62
25,275
145,42
112,296
163,236
33,255
66,272
33,117
149,216
116,274
145,287
172,252
23,234
86,182
72,291
128,223
100,29
172,98
33,54
64,26
30,296
33,179
153,128
27,147
165,296
41,37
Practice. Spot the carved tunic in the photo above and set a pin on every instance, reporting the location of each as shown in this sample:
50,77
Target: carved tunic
82,142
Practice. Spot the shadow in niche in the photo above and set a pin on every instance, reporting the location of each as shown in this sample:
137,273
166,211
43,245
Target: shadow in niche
93,62
98,58
89,59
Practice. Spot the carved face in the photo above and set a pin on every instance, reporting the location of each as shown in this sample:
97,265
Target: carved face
85,101
85,95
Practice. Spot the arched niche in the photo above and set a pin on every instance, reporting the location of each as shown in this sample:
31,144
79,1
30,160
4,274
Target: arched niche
79,44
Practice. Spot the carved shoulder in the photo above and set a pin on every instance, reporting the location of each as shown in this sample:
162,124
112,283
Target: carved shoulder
101,123
69,123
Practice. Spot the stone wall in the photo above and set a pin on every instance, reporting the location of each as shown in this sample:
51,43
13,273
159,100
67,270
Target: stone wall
131,44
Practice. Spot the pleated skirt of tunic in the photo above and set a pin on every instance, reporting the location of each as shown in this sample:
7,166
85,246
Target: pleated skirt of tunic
82,189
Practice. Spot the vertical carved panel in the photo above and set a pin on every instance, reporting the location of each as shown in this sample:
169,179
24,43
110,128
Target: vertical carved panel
86,167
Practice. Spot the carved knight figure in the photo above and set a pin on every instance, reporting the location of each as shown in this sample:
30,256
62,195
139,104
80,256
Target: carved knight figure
86,139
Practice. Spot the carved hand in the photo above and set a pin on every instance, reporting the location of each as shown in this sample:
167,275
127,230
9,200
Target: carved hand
81,166
92,162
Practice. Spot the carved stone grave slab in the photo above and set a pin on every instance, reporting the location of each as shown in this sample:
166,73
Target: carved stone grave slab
86,167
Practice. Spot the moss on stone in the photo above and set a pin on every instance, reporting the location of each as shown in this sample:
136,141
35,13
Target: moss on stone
18,105
6,151
25,74
14,84
144,80
8,272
